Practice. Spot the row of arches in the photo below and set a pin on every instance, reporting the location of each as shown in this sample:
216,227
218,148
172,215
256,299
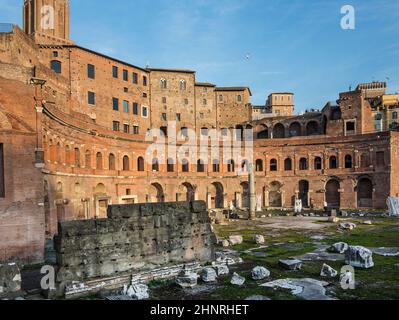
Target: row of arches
295,129
333,163
364,193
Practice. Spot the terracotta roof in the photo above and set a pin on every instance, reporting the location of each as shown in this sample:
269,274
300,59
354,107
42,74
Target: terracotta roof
93,52
205,84
170,70
233,89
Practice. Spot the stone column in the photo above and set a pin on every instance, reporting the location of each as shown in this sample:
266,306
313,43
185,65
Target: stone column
252,193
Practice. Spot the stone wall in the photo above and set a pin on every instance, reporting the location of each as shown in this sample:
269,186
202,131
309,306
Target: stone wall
134,238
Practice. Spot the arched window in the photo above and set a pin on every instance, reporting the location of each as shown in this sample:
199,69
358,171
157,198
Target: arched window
111,162
77,157
126,163
140,164
239,98
56,66
303,164
164,83
67,155
59,158
348,161
259,165
231,166
273,165
204,132
88,159
216,165
155,165
99,161
171,165
200,166
333,162
317,163
288,164
185,165
395,115
245,166
183,85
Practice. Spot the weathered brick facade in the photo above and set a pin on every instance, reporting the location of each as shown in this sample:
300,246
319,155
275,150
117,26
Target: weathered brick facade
67,157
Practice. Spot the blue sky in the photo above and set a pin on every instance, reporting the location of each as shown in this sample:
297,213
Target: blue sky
293,45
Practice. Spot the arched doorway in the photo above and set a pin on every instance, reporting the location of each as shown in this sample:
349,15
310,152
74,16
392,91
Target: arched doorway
156,193
275,199
190,192
245,195
304,193
365,193
332,194
278,131
263,133
217,196
295,129
312,128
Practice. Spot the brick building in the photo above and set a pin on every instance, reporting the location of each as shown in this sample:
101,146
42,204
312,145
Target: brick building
74,127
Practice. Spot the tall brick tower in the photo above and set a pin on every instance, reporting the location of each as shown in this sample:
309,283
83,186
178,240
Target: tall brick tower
47,21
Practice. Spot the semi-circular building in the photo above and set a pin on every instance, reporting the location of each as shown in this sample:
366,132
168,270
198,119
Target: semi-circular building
76,130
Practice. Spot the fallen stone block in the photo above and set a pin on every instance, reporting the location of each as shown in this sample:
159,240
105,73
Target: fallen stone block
222,270
333,219
339,247
386,252
347,226
259,239
237,280
360,257
308,289
260,273
225,243
137,291
187,279
291,264
208,275
10,279
327,271
368,222
234,240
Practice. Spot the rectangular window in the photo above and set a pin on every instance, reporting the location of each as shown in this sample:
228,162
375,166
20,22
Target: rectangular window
164,117
136,130
135,108
91,71
178,117
144,112
380,155
163,99
126,128
115,104
55,54
2,188
135,77
115,125
144,81
126,106
125,75
125,90
91,98
115,72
